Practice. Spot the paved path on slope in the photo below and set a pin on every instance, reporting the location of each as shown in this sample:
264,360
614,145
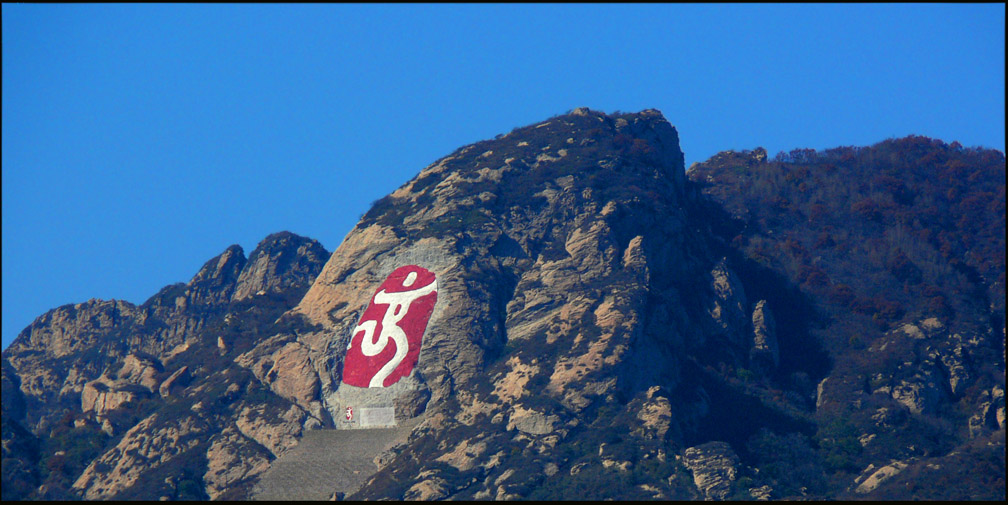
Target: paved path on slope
325,461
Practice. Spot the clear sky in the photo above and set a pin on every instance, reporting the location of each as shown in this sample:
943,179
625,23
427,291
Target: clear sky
139,141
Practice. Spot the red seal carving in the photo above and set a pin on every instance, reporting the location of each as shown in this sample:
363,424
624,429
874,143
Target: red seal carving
386,342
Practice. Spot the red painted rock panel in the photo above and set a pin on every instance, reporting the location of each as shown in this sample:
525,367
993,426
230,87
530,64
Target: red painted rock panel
386,342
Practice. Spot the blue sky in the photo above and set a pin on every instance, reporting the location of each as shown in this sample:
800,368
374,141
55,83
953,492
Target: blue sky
139,141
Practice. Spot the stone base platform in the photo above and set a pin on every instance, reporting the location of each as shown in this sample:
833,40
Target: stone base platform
329,461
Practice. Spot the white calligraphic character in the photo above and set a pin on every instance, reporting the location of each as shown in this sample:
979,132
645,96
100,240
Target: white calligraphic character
398,306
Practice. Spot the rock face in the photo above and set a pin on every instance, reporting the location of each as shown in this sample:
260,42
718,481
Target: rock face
567,279
231,458
20,448
64,332
291,375
764,346
137,377
510,266
729,304
144,447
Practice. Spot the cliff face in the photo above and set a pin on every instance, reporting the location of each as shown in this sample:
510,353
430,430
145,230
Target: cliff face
577,297
598,329
526,243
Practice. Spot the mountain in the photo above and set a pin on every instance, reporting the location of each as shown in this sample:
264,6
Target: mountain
113,391
900,248
571,314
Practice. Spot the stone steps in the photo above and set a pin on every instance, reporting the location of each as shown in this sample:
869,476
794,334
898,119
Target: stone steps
326,461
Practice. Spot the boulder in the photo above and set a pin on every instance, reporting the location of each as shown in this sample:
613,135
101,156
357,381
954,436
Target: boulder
655,414
101,395
177,378
728,307
428,487
764,345
998,399
531,422
140,371
989,414
920,394
762,493
871,477
714,466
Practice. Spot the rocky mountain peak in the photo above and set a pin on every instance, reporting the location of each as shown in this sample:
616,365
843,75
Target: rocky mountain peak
567,275
216,279
280,261
65,348
507,193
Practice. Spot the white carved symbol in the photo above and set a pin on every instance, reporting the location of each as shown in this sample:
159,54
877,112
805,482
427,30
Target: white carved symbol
398,306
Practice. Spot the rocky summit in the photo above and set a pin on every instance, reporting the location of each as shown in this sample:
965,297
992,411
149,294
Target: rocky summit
561,312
